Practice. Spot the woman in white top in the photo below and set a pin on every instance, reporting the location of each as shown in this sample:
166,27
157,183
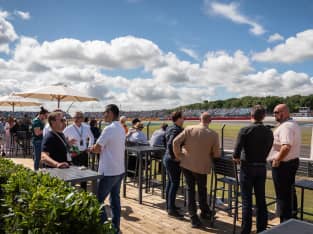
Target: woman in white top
7,127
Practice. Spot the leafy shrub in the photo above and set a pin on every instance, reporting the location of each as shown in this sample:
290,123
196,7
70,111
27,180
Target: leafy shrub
37,203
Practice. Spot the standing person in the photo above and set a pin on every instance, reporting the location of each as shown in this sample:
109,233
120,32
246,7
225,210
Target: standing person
195,148
284,158
172,167
81,135
94,129
54,145
254,142
9,124
86,121
38,124
96,133
2,133
111,146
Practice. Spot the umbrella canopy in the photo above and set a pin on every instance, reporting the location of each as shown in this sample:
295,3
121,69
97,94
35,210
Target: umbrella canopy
57,92
11,100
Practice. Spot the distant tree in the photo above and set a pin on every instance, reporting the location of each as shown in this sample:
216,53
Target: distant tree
294,103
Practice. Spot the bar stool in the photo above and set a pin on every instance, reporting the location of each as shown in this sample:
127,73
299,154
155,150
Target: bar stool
225,171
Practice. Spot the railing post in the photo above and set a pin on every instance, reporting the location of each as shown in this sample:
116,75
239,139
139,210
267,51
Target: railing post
148,126
222,139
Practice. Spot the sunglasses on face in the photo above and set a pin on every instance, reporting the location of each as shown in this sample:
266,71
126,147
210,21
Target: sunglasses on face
62,120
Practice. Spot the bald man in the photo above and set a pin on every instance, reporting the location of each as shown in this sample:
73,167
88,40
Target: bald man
284,157
194,148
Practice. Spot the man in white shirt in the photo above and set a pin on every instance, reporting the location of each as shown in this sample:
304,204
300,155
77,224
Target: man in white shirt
111,146
81,137
284,157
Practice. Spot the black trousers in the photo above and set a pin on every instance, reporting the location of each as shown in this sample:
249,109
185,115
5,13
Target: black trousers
253,178
192,179
81,160
284,179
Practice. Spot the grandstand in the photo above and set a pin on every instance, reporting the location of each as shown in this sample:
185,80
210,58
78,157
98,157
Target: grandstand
220,113
149,115
231,113
21,114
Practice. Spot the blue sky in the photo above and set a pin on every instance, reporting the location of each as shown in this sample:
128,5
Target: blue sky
144,54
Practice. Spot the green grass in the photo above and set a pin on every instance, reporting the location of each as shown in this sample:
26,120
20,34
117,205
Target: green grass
230,130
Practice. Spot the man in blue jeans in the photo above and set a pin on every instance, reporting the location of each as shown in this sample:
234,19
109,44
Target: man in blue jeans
173,169
37,130
254,142
111,146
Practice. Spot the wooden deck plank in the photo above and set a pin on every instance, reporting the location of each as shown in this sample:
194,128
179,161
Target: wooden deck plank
151,217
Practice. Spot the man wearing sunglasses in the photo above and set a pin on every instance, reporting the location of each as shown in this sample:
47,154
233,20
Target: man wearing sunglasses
111,146
54,145
284,157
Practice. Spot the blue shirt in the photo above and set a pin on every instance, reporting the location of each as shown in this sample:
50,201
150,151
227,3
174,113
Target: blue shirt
138,137
158,138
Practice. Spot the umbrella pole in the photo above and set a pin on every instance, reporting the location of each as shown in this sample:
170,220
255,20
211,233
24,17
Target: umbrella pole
58,103
13,107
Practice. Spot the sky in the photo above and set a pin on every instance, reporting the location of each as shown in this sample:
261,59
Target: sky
146,54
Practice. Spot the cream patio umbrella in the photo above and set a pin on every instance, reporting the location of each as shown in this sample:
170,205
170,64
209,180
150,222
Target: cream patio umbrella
12,100
58,93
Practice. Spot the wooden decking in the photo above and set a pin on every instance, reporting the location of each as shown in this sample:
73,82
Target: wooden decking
151,217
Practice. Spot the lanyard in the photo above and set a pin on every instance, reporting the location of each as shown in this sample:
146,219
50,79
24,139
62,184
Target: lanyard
79,133
61,138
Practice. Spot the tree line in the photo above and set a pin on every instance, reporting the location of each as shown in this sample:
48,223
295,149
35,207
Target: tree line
269,102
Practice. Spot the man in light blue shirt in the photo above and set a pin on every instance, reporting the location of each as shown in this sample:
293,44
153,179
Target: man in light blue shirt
136,135
158,137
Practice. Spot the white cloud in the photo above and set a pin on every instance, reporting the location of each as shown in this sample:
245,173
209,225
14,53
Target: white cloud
169,81
270,82
293,50
7,32
123,52
275,37
22,14
193,54
230,11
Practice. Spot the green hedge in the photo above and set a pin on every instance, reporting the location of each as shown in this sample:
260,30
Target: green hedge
37,203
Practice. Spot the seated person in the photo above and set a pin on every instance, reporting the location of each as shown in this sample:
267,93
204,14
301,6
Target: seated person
136,135
158,137
132,129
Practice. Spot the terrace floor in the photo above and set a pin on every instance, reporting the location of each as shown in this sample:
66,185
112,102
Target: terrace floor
151,217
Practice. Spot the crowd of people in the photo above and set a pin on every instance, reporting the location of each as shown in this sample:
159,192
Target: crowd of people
10,127
189,152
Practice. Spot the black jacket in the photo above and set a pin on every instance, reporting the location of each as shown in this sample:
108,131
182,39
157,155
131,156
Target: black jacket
170,134
254,143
